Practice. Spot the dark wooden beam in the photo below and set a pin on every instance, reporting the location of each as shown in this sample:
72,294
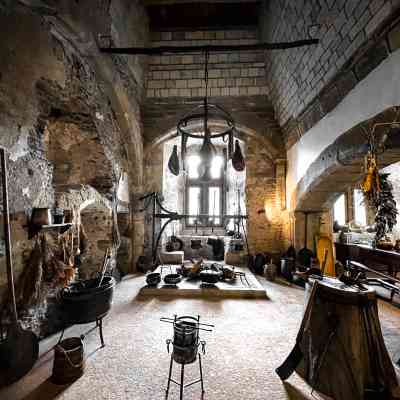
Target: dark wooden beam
150,51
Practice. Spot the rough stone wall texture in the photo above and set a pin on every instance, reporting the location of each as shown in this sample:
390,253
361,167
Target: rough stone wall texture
49,79
98,228
295,77
230,73
78,157
268,223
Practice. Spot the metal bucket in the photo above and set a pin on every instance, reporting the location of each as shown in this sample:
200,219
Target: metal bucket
186,340
69,362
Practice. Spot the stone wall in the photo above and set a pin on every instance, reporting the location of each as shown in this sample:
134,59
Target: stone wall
296,77
268,221
62,114
230,73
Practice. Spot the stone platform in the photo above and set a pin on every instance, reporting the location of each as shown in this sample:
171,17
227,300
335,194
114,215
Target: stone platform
194,288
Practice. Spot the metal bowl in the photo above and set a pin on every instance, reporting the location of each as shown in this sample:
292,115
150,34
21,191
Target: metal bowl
153,279
210,276
172,279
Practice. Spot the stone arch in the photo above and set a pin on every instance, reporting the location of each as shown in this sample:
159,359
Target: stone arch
243,132
341,164
337,168
161,116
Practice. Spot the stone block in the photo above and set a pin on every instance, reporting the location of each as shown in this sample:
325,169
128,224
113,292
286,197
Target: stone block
360,24
187,59
194,83
312,115
394,38
180,36
184,92
181,84
221,82
329,99
378,19
165,36
234,91
214,73
157,84
370,60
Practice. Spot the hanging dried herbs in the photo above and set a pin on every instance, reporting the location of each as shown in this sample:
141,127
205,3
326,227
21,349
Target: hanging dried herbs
378,193
386,210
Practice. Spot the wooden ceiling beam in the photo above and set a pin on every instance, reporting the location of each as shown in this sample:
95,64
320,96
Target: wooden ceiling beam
210,48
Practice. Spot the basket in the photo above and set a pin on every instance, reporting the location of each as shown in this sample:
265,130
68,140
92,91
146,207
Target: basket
69,361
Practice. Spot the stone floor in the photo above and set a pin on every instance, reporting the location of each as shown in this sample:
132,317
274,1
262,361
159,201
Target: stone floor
250,340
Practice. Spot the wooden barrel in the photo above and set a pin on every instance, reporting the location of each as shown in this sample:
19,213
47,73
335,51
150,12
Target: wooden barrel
69,362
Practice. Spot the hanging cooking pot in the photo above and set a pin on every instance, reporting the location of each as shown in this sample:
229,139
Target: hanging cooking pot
210,276
41,216
176,243
173,162
195,244
238,162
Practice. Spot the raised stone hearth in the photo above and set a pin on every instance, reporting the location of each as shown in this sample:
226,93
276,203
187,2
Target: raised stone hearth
239,288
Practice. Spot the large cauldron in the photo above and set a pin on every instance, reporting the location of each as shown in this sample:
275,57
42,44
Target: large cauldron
85,302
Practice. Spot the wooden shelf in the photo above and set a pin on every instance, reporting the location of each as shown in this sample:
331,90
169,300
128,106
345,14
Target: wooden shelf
33,230
61,227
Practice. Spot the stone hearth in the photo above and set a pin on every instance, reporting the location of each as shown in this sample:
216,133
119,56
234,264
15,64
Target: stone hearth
193,288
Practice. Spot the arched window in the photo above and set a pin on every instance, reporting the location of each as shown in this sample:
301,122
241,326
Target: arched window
205,199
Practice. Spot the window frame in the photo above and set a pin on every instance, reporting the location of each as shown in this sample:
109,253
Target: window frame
204,186
345,206
356,207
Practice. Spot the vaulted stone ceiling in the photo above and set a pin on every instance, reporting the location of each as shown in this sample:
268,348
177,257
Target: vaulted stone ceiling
175,83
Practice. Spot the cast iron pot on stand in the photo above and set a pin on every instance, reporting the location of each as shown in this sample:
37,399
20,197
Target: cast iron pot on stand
89,301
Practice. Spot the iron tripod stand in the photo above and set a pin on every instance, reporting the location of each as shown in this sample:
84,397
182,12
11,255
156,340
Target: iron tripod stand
181,383
185,348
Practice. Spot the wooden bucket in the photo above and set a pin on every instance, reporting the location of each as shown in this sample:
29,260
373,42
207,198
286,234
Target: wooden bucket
69,361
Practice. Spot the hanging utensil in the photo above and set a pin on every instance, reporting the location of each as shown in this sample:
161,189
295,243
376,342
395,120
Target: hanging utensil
104,266
238,162
78,225
20,350
173,162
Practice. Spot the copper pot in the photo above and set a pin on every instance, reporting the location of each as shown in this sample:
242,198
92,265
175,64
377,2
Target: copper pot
41,216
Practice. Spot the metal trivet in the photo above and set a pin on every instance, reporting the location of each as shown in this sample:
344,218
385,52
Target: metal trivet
185,347
243,278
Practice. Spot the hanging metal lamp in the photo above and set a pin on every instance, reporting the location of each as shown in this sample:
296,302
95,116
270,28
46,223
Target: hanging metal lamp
206,115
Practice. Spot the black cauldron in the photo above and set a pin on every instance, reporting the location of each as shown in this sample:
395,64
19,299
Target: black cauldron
186,340
153,279
84,301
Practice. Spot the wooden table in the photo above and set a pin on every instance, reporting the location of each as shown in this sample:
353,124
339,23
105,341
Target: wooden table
380,260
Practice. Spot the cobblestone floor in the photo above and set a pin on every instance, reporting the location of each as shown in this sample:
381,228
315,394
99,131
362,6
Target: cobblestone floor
250,340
